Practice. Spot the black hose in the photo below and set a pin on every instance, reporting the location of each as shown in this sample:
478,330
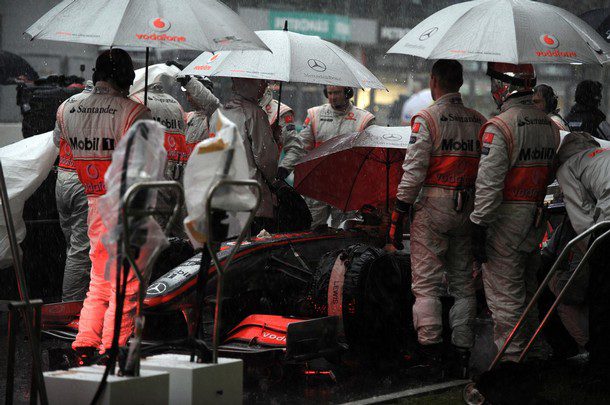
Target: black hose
202,279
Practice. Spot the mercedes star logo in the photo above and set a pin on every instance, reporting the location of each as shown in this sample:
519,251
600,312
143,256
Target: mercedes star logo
428,33
156,288
316,65
391,137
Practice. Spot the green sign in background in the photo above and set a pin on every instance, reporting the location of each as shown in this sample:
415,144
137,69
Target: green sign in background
327,26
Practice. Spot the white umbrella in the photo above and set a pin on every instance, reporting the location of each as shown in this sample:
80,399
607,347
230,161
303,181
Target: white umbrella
295,58
511,31
206,25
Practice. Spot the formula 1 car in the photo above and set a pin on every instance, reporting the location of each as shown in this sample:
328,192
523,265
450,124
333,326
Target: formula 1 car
275,299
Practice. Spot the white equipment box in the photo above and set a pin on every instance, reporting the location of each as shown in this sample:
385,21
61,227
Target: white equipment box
199,383
77,386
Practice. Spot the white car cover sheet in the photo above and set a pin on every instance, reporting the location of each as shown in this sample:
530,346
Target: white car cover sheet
26,164
147,158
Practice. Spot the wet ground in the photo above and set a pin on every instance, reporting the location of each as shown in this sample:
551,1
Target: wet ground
559,383
312,383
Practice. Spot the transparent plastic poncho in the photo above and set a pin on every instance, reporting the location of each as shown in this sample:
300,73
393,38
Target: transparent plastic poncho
142,146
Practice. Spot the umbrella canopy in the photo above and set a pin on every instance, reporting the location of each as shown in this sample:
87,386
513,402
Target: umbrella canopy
511,31
156,73
12,66
295,58
599,19
355,169
178,24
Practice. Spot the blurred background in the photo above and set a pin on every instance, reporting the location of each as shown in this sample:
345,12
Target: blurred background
365,28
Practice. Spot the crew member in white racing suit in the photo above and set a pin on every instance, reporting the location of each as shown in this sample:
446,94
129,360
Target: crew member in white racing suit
167,111
289,141
440,169
259,141
72,209
583,177
339,116
517,164
94,125
205,104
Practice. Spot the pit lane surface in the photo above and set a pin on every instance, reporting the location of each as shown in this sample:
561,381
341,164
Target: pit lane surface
560,383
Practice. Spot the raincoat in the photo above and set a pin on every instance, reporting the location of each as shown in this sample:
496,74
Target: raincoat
168,112
261,148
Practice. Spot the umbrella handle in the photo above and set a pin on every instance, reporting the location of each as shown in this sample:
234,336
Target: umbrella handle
279,97
146,78
279,104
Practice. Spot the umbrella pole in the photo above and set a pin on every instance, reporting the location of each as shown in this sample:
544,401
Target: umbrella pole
279,97
279,103
146,77
387,180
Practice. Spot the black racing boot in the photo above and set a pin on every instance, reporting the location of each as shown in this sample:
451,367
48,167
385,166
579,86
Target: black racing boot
429,360
460,362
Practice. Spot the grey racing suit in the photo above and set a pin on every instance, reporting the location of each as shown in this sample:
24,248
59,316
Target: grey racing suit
440,169
197,121
168,112
261,149
517,164
93,126
583,176
72,209
290,142
324,123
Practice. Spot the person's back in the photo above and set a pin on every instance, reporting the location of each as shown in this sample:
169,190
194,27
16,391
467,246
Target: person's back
92,127
583,177
167,111
440,170
517,164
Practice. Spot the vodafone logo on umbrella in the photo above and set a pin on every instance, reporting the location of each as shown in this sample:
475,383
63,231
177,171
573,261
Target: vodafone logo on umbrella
207,66
159,24
550,41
